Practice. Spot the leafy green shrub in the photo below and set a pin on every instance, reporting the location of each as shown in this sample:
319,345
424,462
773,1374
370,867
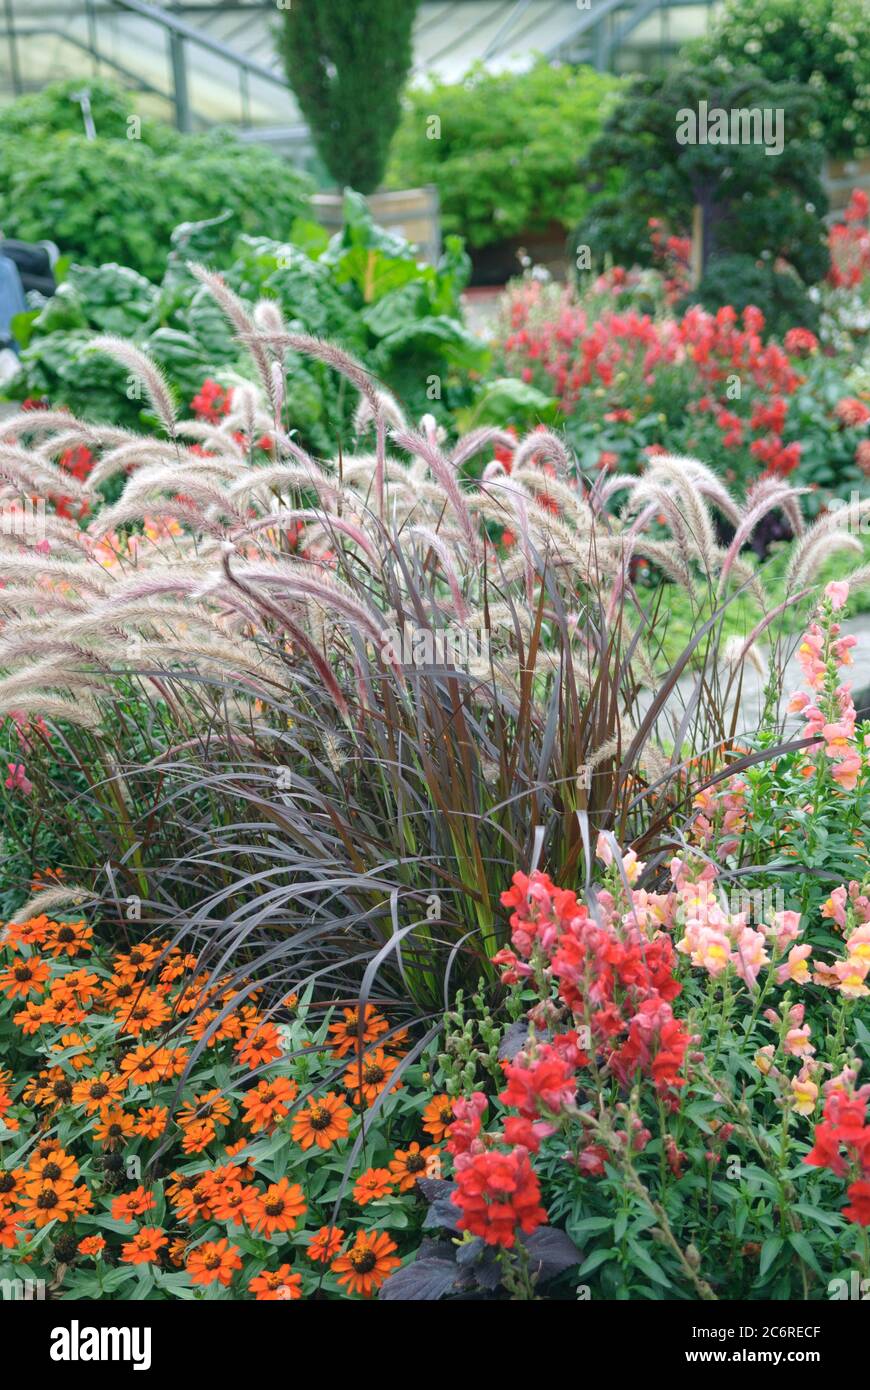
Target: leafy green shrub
763,239
364,289
347,65
824,43
118,197
504,159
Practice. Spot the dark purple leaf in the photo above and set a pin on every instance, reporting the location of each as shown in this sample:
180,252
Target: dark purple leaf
424,1281
552,1251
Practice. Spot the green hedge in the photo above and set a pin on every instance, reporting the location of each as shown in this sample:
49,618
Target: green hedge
504,156
118,198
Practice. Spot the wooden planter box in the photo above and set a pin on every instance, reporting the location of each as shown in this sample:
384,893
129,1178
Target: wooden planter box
840,176
413,213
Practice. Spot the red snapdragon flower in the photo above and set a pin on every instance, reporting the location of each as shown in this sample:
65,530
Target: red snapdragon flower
498,1194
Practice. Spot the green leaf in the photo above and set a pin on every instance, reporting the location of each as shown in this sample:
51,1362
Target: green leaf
769,1251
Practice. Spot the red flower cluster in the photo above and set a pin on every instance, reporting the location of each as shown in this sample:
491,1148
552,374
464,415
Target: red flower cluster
673,254
842,1144
212,401
498,1194
616,981
849,244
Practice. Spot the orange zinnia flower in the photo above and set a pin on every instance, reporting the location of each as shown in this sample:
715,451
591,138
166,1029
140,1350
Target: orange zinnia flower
368,1077
30,933
411,1164
148,1011
261,1046
325,1244
68,938
190,1198
95,1093
280,1283
132,1204
213,1260
437,1116
322,1122
113,1128
78,1060
211,1105
372,1184
44,1202
91,1245
231,1203
34,1016
345,1032
24,977
151,1121
145,1246
52,1165
10,1222
11,1183
269,1102
145,1063
368,1262
278,1209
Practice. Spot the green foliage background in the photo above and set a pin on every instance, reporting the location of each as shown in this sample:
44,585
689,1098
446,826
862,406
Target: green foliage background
118,198
823,43
506,159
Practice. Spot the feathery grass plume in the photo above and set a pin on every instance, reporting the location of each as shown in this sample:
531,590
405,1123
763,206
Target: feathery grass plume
41,704
828,533
758,506
46,900
347,366
366,415
30,473
246,329
416,442
473,443
151,376
678,473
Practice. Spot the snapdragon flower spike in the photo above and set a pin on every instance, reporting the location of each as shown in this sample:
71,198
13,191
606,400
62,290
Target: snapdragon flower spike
829,712
613,975
842,1144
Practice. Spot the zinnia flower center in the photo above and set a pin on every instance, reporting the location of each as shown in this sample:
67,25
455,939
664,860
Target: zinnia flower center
363,1261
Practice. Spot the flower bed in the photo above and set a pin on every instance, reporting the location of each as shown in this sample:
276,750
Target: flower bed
633,379
663,1099
293,727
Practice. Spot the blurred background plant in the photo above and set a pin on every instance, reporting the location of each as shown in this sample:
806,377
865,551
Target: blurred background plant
118,197
338,56
522,131
363,288
824,44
